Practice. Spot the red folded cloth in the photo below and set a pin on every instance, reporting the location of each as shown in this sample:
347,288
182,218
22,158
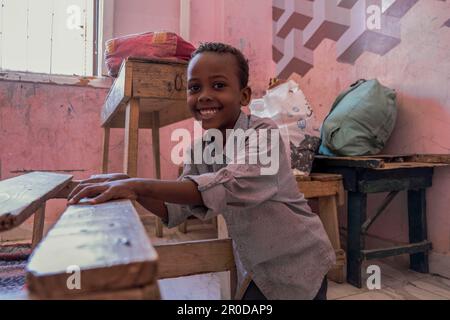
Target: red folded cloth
145,45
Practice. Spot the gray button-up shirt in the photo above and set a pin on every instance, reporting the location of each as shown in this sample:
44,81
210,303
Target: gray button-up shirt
277,239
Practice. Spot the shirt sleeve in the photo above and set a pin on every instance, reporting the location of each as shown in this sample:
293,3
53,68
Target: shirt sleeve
242,184
178,213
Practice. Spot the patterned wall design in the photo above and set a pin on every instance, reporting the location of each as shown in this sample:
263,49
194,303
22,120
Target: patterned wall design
299,26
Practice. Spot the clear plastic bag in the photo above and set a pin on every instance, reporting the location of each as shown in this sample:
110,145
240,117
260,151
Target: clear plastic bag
287,105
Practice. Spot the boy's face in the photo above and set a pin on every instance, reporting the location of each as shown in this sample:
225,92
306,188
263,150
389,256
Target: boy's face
214,93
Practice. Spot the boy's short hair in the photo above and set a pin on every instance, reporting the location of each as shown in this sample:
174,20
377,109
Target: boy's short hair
218,47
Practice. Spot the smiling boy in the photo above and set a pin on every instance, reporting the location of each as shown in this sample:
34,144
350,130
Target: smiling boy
278,242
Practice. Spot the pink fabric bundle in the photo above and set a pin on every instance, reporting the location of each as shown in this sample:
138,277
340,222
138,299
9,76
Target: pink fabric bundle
145,45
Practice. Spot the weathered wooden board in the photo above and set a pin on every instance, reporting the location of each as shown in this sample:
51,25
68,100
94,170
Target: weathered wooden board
316,189
400,165
21,196
195,257
108,244
118,95
354,162
159,85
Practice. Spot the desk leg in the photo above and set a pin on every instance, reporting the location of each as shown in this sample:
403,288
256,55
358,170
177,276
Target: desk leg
131,138
157,162
357,206
105,150
418,228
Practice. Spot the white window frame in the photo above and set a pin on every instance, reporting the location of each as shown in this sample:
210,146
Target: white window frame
105,31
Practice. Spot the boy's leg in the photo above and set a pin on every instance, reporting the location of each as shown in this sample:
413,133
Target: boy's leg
322,294
253,293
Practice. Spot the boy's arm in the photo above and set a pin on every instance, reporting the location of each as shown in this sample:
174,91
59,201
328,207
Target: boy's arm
151,194
181,192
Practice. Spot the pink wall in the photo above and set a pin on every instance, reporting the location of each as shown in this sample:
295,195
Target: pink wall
57,127
417,66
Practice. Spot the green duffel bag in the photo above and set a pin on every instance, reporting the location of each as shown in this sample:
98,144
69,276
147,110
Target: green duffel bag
360,121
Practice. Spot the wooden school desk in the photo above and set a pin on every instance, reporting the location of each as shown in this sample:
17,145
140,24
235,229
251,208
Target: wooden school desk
384,173
146,94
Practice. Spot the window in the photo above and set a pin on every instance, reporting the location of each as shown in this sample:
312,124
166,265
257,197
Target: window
49,36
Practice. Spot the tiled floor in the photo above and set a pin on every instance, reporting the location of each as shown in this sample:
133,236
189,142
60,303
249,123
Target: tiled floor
397,283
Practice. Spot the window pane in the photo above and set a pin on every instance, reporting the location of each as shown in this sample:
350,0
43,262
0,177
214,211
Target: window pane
72,49
48,36
39,35
14,35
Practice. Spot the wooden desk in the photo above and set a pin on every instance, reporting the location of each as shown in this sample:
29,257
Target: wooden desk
147,94
384,173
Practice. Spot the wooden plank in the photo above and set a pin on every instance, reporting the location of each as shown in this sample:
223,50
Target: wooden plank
159,80
394,184
131,140
196,257
170,61
401,165
107,242
422,246
119,94
64,192
356,213
170,111
431,158
157,163
417,223
337,271
38,226
353,162
21,196
325,177
149,292
316,189
329,217
105,150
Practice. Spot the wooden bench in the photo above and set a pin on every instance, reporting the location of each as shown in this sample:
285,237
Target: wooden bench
100,251
22,196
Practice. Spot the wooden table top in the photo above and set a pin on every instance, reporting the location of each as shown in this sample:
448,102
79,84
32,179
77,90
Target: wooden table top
159,84
385,162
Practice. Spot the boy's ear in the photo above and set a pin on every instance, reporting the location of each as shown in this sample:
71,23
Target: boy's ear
246,96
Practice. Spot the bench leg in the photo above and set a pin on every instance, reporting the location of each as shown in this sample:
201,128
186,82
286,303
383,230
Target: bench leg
131,138
105,150
157,162
418,228
38,226
183,227
357,206
329,216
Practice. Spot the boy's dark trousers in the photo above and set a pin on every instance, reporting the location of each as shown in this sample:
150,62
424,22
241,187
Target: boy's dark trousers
253,292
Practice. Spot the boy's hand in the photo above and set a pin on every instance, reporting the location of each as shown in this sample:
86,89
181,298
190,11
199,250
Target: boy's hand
105,191
97,178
